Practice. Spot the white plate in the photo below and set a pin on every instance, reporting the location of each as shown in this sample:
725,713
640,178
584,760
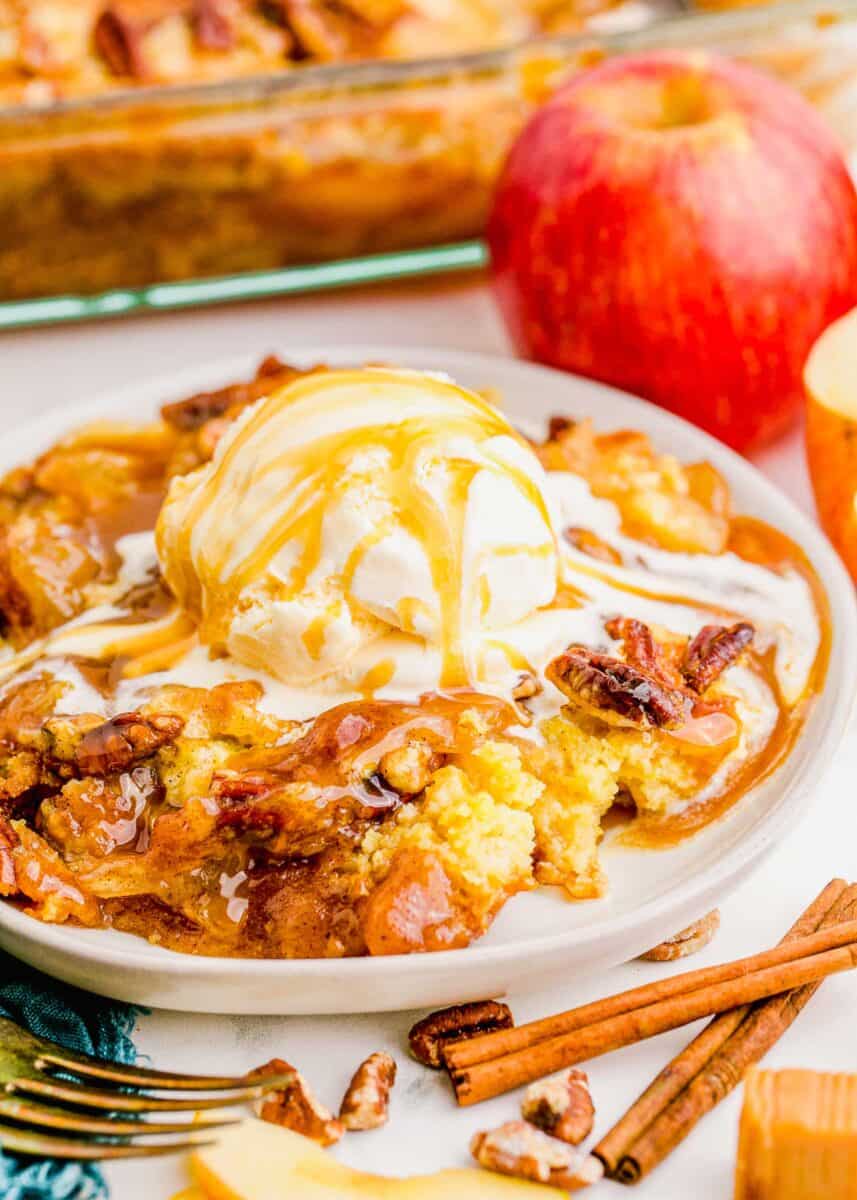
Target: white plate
538,937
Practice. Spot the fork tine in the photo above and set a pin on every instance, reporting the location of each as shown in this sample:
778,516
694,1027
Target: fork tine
90,1068
43,1116
72,1093
48,1146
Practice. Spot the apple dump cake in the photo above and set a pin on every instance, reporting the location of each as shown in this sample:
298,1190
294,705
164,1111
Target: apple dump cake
334,662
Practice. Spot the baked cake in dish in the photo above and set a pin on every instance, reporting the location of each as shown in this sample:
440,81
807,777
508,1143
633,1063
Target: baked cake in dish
60,49
334,662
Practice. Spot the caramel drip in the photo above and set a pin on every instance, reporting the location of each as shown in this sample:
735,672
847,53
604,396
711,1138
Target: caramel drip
141,647
347,741
377,677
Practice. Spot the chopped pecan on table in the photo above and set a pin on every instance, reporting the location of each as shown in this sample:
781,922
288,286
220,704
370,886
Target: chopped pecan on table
428,1038
616,691
123,740
366,1103
519,1149
696,937
561,1106
296,1107
714,648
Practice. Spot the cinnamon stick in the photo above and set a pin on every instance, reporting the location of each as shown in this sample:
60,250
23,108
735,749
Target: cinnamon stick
677,1075
668,1111
491,1046
756,982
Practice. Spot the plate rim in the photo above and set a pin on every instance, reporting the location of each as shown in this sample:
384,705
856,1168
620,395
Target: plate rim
658,423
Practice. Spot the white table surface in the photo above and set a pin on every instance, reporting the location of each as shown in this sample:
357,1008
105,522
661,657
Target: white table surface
41,369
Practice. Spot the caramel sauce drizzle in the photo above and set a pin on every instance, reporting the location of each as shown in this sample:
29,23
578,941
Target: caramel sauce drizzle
344,742
287,498
284,498
754,541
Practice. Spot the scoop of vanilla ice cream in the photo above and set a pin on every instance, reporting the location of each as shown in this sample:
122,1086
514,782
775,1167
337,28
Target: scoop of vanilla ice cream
352,503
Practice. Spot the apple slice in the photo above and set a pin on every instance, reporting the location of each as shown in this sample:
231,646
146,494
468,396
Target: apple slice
258,1161
831,433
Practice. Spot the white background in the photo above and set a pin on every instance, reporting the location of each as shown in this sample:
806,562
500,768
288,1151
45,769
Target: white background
46,368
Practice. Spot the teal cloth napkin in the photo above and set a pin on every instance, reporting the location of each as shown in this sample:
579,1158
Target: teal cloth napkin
79,1021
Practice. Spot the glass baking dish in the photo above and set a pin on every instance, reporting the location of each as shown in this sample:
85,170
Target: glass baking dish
323,163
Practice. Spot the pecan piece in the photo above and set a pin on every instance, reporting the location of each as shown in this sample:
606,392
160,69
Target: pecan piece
429,1037
616,691
408,768
191,414
557,426
123,740
590,543
714,648
561,1106
366,1103
527,686
296,1107
519,1149
696,937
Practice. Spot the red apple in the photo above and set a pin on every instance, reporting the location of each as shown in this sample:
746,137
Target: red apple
681,226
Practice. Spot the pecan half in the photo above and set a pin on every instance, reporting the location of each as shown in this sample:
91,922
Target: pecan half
519,1149
696,937
616,691
366,1103
714,648
123,740
296,1107
561,1106
433,1033
638,643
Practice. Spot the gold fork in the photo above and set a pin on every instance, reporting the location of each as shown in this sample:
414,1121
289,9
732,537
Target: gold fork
44,1112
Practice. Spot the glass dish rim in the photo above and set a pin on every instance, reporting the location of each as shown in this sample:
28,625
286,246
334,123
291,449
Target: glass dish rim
369,75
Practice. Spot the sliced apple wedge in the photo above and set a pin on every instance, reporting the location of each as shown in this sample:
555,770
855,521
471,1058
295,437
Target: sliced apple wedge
257,1161
831,433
